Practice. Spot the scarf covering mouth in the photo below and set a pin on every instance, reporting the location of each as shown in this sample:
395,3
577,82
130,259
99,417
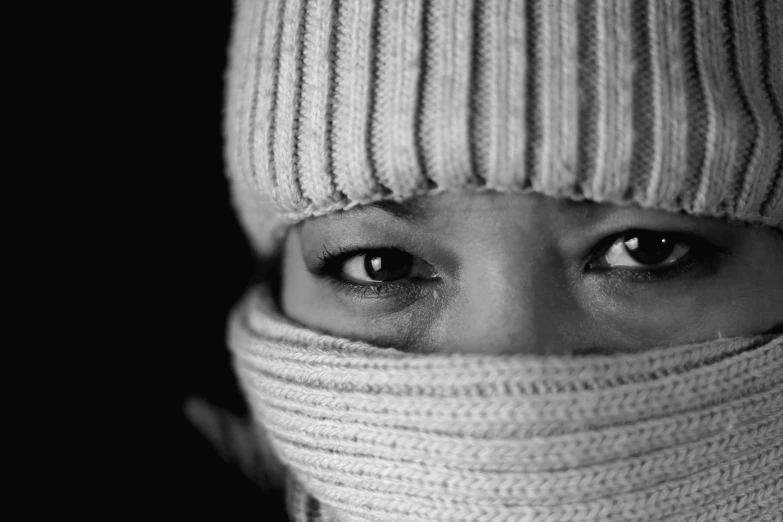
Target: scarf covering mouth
369,434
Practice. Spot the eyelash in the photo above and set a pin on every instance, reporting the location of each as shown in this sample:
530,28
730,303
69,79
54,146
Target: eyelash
332,263
331,269
700,251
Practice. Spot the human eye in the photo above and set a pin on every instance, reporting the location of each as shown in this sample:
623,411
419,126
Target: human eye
649,254
375,272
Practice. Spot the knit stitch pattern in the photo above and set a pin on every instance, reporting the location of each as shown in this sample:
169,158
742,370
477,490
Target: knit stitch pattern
369,434
669,104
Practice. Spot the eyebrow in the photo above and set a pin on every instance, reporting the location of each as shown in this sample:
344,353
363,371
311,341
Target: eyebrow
405,210
410,211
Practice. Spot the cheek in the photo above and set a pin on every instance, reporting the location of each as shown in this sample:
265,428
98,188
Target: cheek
300,295
748,299
738,303
748,305
314,303
410,329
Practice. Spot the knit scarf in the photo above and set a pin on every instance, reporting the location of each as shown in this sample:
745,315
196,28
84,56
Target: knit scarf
369,434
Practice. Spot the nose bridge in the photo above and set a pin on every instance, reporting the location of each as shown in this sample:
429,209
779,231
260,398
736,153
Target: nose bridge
509,304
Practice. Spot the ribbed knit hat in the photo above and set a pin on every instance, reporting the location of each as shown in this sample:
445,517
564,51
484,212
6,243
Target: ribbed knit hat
670,104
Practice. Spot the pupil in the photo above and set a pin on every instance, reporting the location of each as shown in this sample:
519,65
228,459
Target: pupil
649,248
388,265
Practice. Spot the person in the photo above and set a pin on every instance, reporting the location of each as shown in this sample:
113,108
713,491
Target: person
525,258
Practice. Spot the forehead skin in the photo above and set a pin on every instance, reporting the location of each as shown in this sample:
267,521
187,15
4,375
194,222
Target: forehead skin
512,277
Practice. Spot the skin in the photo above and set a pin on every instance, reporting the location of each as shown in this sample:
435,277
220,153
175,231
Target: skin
525,273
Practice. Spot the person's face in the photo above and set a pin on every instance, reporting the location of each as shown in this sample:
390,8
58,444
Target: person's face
504,273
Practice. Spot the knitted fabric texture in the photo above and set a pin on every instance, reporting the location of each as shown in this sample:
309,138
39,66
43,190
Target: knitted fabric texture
674,105
683,433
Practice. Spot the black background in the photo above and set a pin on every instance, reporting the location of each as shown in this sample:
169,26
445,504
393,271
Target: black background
193,262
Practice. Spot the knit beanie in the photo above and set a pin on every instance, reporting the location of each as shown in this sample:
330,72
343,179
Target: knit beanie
674,105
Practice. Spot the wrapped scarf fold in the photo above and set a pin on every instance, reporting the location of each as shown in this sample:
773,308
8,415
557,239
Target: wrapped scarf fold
370,434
